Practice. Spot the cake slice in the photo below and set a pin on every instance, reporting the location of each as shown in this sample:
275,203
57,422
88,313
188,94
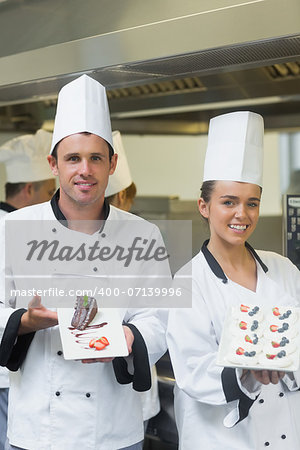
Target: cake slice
85,310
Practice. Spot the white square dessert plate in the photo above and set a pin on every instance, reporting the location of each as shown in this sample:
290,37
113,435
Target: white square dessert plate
106,323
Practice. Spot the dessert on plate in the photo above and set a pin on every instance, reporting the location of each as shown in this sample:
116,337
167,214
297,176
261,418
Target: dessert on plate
85,310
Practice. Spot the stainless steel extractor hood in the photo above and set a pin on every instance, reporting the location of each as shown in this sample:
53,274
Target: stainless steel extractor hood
216,53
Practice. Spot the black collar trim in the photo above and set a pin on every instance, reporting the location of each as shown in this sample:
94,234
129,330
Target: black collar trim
7,207
55,208
217,269
60,216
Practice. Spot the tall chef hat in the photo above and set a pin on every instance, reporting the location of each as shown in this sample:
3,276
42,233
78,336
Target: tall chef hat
121,178
25,157
82,106
235,148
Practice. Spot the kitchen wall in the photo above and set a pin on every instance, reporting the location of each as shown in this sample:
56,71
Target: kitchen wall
173,165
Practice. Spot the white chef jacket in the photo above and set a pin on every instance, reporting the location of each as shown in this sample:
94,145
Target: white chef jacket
206,415
58,404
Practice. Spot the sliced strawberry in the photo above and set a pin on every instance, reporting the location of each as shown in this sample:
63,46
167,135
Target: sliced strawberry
240,351
273,328
243,325
244,308
275,344
248,339
92,343
270,356
104,340
99,345
276,311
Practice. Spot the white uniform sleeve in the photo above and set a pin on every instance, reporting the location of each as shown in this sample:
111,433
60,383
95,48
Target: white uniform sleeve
151,321
152,325
193,350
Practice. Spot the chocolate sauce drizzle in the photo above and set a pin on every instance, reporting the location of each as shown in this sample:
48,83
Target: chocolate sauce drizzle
85,336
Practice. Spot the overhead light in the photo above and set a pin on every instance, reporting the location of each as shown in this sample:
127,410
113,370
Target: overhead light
205,106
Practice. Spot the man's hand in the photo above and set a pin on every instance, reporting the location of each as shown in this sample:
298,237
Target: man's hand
37,317
129,338
268,376
129,341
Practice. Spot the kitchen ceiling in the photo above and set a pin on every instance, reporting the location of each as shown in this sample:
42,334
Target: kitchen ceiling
162,76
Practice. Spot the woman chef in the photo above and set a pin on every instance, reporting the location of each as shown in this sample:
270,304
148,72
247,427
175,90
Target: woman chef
226,408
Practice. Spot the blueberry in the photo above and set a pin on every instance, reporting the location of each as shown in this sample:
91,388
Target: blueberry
282,343
289,312
285,326
283,352
246,354
250,313
287,341
252,353
256,308
252,328
279,355
255,341
280,330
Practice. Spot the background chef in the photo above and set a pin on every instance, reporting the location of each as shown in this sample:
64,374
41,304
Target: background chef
28,177
29,181
120,192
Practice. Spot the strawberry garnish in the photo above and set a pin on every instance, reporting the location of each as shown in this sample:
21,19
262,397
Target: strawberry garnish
240,351
276,311
273,328
243,325
275,344
244,308
92,343
248,339
104,340
269,356
99,345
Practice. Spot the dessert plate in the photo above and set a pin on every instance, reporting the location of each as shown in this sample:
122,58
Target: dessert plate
261,337
106,324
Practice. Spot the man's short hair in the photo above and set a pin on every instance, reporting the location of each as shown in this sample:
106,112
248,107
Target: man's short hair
12,189
130,193
111,150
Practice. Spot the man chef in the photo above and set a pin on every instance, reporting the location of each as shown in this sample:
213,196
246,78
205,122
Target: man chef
56,403
28,178
29,181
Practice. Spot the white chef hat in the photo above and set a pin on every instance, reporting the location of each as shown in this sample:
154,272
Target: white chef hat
82,106
121,178
235,148
25,157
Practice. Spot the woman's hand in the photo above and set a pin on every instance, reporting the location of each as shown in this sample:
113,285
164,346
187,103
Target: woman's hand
268,376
